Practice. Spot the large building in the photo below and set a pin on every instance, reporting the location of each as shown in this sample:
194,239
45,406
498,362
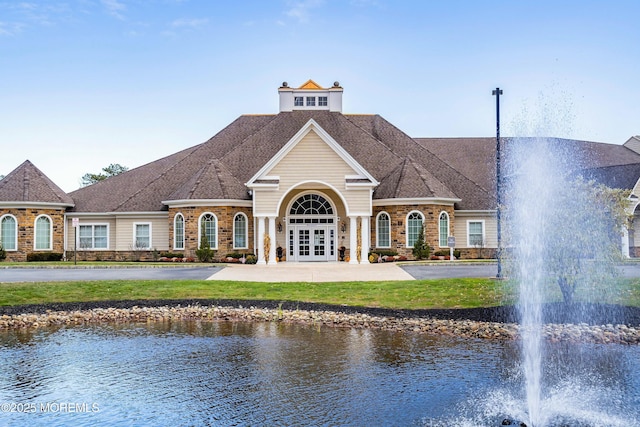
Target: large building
310,180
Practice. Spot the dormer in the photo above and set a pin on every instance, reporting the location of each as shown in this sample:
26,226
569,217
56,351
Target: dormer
310,96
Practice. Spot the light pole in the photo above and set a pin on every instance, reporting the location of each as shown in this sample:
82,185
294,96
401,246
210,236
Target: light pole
497,92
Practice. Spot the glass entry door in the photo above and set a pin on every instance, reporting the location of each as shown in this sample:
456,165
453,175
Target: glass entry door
313,242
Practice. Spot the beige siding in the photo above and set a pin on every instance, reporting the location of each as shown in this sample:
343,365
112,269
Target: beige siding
461,229
125,230
311,160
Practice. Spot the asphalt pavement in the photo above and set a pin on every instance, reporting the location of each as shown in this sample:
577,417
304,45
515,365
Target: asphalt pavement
8,275
281,272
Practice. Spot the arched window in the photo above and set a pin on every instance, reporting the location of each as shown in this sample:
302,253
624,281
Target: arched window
9,233
443,229
42,233
383,230
178,231
311,204
240,231
209,227
414,227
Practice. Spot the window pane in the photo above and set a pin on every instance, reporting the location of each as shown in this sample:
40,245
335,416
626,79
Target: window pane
414,225
383,231
240,231
475,234
85,238
298,101
100,239
311,101
8,233
142,236
179,232
444,229
43,233
209,227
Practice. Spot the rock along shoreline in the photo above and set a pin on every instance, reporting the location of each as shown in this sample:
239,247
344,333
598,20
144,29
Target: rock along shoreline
461,323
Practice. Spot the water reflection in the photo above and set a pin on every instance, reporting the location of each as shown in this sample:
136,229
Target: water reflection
233,373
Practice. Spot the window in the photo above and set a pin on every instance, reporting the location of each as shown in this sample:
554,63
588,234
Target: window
9,233
322,101
443,230
43,233
311,101
414,227
178,231
142,236
476,233
311,204
240,231
298,101
93,236
383,230
209,227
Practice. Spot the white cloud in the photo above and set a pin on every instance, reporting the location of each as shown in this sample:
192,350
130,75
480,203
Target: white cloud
189,23
115,8
10,28
301,10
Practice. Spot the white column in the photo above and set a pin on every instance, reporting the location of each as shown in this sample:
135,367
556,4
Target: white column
364,237
625,243
353,240
272,238
260,248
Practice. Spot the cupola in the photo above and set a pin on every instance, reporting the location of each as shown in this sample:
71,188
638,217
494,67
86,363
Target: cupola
310,96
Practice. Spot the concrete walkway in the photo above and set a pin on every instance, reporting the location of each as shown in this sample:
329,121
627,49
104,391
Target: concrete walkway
312,272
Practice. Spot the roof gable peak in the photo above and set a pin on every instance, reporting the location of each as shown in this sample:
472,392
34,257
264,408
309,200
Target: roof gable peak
311,125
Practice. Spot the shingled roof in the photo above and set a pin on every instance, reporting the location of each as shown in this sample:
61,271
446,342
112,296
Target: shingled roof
460,169
219,167
27,184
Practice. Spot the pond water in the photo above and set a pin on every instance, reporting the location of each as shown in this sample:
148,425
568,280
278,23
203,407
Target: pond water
244,374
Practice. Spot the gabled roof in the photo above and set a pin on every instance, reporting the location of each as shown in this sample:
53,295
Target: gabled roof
219,167
310,84
460,169
28,185
360,173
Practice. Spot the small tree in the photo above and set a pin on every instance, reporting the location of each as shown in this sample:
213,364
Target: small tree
420,248
109,171
3,253
204,252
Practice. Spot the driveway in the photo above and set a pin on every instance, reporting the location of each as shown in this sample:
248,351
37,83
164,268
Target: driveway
88,274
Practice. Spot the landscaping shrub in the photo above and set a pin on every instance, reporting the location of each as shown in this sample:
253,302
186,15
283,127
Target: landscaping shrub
205,253
44,256
445,252
3,253
171,255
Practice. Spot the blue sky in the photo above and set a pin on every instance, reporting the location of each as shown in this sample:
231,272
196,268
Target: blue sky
86,83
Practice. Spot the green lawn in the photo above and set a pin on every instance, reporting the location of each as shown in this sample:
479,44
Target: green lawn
414,294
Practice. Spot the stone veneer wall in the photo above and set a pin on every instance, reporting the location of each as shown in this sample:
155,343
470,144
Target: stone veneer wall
225,215
398,220
26,231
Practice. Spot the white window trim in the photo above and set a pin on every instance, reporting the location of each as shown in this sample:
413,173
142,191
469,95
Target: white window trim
246,231
93,236
135,227
184,227
213,245
378,231
406,226
15,233
446,243
35,233
484,237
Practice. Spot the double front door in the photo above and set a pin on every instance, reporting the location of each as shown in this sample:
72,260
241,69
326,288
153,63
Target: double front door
312,242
